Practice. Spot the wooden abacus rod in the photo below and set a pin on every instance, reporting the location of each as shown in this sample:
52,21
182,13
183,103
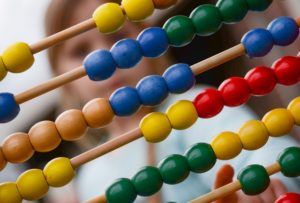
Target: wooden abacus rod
98,199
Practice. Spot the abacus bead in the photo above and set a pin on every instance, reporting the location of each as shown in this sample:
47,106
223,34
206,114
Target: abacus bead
208,103
254,179
126,53
201,157
294,108
174,169
98,113
207,19
153,42
137,10
122,190
180,30
278,122
289,197
99,65
18,57
3,161
155,127
226,145
253,135
284,30
287,70
17,148
9,193
163,4
109,17
182,114
3,71
59,172
235,91
232,11
152,90
257,42
44,136
147,181
258,5
289,161
125,101
179,78
71,125
9,108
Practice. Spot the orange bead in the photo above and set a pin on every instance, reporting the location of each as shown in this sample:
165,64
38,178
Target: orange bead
98,113
162,4
2,160
71,125
44,136
17,148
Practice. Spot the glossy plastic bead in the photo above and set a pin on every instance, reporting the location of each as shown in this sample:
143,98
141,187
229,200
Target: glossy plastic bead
207,19
179,78
232,11
289,161
261,80
257,42
98,113
71,125
226,145
254,179
235,91
287,70
137,10
279,122
3,71
109,17
17,148
155,127
9,108
32,184
208,103
122,190
152,90
200,157
180,30
99,65
284,30
289,197
253,135
125,101
9,193
59,172
147,181
258,5
294,108
174,169
163,4
182,114
153,41
3,161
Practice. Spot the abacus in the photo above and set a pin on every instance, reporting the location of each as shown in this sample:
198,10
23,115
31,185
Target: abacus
155,127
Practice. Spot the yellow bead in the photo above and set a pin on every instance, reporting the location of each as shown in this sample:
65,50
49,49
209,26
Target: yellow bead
182,114
18,57
59,172
3,70
253,134
155,127
9,193
137,10
294,108
32,184
109,17
278,122
226,145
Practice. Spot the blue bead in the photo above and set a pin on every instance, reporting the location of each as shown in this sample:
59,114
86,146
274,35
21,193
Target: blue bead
284,30
127,53
258,42
152,90
153,41
99,65
9,108
125,101
179,78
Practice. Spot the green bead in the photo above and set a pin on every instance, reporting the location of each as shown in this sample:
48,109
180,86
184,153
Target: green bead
200,157
174,169
254,179
232,11
122,190
180,30
147,181
258,5
289,161
207,19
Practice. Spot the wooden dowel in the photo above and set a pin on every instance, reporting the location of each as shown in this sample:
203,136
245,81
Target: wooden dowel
98,199
298,21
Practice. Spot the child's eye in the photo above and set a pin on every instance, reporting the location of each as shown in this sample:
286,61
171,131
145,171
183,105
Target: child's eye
80,51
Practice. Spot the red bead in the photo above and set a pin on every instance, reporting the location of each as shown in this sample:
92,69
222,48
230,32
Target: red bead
289,197
208,103
261,80
287,70
235,91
